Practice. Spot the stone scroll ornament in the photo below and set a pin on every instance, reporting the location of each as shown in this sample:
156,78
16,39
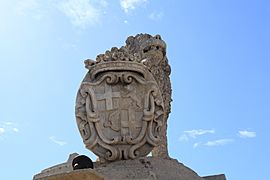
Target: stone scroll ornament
124,100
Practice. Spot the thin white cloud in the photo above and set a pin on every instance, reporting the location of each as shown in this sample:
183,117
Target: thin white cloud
247,134
69,46
34,8
2,130
7,128
156,16
60,143
8,123
15,129
196,144
25,6
128,5
103,3
83,13
195,133
219,142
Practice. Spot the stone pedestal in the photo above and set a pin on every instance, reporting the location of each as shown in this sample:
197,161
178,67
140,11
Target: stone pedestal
215,177
85,174
145,168
150,168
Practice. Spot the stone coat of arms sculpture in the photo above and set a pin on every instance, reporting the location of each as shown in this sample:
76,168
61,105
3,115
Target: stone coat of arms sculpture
124,100
122,108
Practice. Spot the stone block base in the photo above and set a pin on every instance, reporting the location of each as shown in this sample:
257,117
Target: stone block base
215,177
84,174
147,168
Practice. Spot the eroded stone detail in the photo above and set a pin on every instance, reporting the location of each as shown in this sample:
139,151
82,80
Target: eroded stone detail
121,105
122,108
119,111
57,169
152,52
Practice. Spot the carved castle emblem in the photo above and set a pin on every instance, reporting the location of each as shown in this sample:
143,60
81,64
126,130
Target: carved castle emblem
119,107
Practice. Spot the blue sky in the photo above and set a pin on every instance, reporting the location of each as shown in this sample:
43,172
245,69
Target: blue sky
219,51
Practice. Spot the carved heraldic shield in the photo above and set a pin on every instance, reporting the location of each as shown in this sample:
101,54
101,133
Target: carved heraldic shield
123,103
119,110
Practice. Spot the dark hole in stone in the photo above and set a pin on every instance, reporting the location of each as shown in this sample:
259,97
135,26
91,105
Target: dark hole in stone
82,162
123,156
157,37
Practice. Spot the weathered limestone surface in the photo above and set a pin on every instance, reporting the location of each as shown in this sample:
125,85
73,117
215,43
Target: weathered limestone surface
124,100
122,108
215,177
149,168
60,168
84,174
145,168
152,50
